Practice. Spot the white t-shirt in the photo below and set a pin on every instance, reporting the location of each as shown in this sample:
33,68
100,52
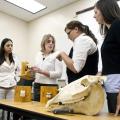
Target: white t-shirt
50,64
9,74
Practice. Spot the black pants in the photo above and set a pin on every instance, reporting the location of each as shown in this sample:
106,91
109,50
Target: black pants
36,90
112,102
16,116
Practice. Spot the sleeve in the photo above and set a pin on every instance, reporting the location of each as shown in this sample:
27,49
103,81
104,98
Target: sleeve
17,69
57,73
82,48
116,29
37,59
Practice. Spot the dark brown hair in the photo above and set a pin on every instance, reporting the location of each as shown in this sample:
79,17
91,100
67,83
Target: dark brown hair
109,10
2,51
83,28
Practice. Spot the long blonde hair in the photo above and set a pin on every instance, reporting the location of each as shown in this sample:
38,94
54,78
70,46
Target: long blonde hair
44,40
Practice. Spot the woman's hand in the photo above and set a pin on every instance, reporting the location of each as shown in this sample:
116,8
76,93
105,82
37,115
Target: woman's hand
59,58
99,73
38,70
118,105
35,69
58,55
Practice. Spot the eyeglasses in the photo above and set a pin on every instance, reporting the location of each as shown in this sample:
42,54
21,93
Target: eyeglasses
68,33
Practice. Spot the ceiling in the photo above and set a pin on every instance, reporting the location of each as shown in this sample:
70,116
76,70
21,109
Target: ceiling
52,5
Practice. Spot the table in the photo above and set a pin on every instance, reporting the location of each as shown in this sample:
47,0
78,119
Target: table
37,110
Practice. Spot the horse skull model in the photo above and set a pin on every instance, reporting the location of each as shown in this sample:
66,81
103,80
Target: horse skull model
84,95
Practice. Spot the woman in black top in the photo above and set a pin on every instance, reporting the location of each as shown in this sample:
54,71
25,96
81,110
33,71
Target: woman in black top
107,14
83,57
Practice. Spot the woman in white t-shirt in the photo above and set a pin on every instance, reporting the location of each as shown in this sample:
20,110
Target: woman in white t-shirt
9,69
47,67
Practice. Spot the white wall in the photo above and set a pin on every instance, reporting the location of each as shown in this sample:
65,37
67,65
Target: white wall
54,23
17,30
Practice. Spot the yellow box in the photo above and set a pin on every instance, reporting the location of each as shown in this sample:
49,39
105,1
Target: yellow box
47,92
23,94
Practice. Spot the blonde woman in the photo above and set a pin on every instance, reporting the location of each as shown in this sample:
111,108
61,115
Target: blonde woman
47,67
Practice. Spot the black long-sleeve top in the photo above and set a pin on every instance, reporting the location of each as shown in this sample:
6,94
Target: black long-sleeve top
110,50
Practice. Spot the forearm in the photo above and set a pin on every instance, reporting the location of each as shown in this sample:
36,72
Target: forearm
68,61
46,73
118,99
118,104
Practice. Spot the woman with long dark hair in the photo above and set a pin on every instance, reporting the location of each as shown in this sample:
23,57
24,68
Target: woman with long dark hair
9,69
107,14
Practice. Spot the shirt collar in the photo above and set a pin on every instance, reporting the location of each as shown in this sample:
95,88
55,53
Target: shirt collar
83,34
